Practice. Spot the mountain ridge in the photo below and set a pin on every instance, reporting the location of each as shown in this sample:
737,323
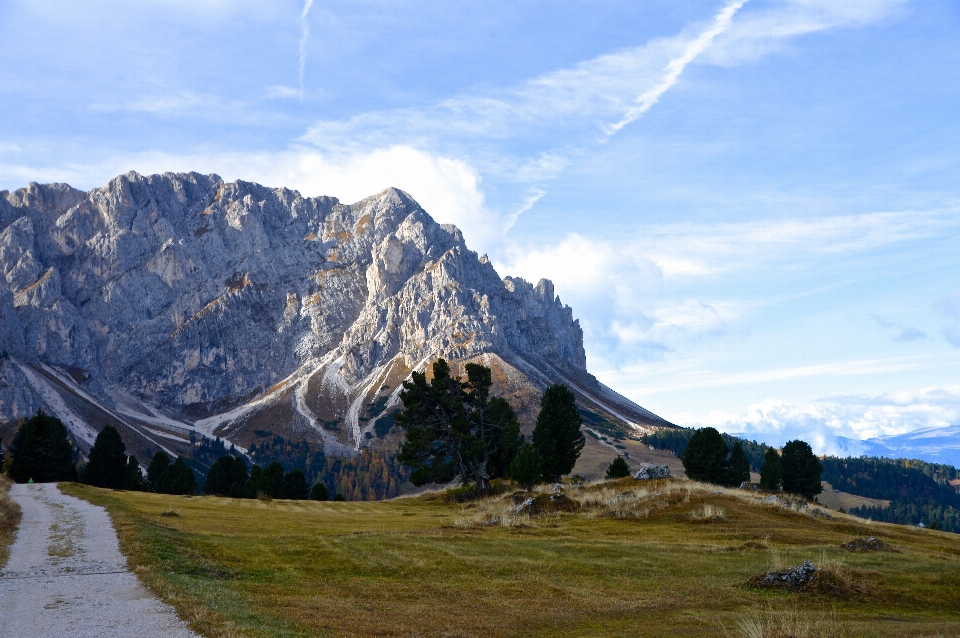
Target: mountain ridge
180,305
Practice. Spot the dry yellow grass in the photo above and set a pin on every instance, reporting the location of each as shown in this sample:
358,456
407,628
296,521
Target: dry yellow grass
635,559
9,518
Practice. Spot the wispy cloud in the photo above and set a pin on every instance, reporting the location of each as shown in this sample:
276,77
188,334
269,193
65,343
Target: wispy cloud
772,27
605,94
527,204
304,37
698,45
898,331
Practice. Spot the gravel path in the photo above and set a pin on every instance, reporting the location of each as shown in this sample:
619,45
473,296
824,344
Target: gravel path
67,577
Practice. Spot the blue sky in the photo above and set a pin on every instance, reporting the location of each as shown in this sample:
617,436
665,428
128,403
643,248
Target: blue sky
753,207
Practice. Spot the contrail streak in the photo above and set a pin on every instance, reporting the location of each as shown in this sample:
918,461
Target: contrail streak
304,36
676,66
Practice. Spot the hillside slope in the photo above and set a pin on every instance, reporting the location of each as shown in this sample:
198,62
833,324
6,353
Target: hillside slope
180,306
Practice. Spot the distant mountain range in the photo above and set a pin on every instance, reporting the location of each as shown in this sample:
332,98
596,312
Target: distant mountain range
934,445
181,307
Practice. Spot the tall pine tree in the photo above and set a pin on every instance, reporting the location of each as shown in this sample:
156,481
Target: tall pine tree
801,469
705,458
557,435
738,467
107,465
771,472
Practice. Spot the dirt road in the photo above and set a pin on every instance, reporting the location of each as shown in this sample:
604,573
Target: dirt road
67,577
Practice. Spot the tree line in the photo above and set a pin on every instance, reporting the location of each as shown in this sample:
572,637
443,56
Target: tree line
919,492
795,470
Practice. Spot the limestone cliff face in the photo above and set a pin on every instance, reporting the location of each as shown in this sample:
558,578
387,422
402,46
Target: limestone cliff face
178,303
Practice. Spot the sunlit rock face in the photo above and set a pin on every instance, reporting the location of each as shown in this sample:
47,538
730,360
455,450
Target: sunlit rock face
179,304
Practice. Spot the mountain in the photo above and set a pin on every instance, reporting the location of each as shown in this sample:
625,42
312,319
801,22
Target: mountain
180,307
934,445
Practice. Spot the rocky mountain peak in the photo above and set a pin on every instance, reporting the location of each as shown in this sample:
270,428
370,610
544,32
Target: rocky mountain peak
180,303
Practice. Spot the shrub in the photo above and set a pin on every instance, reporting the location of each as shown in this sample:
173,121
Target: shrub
618,469
527,467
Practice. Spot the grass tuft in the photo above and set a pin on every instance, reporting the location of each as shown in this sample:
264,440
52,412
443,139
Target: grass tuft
9,518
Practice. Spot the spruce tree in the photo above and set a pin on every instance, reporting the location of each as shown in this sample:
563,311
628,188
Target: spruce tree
527,467
134,480
738,467
771,472
295,486
557,435
107,465
273,480
705,458
178,479
42,451
801,469
158,465
319,492
227,477
618,469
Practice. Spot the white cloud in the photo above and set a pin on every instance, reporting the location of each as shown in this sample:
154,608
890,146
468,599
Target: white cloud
857,417
758,33
598,95
304,36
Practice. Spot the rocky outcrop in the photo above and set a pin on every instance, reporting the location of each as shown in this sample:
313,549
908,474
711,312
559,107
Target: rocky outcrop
181,304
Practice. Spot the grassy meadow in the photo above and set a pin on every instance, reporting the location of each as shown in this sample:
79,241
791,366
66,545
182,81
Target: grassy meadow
665,558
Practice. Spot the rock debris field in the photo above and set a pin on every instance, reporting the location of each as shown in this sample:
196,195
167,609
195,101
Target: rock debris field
67,577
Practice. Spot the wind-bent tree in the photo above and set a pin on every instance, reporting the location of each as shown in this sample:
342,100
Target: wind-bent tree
557,435
107,465
801,469
41,451
705,458
454,429
738,467
618,469
771,472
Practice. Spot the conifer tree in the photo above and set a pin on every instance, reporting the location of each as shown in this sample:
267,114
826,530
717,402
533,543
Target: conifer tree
107,465
294,486
705,458
557,435
738,467
617,469
801,469
319,492
227,477
527,467
42,451
134,480
178,478
771,473
158,465
454,428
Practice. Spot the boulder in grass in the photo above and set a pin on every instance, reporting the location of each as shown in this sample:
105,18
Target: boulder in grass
648,472
791,578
